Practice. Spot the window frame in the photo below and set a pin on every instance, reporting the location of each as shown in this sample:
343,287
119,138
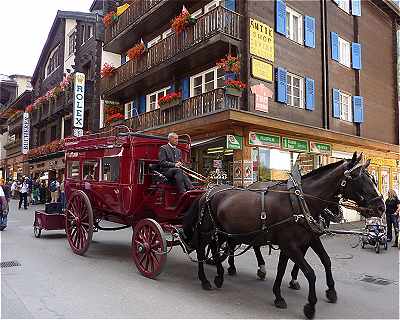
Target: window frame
289,29
148,96
83,170
203,83
345,59
54,56
348,96
344,5
72,34
70,163
290,98
101,170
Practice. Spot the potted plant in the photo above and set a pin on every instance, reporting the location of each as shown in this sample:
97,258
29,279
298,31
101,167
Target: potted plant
109,18
230,64
234,87
170,100
179,23
116,117
136,51
107,70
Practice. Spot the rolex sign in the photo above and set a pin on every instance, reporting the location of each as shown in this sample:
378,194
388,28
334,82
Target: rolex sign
25,133
79,99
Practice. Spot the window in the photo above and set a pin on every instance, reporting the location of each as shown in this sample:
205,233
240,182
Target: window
206,81
344,5
53,61
131,111
91,170
89,32
213,4
73,169
295,91
294,25
42,137
344,52
53,133
110,169
345,107
72,43
152,98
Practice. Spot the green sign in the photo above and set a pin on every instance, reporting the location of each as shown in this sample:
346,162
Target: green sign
261,139
295,145
234,142
320,148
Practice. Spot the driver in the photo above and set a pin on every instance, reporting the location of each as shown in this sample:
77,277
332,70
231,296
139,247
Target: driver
170,163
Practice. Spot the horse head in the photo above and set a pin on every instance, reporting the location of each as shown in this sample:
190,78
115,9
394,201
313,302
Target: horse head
359,186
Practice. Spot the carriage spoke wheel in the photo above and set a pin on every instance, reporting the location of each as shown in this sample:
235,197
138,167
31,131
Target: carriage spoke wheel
149,248
79,222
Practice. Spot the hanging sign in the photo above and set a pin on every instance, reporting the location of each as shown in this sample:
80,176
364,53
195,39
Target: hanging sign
262,94
25,133
261,70
261,40
320,148
264,140
234,142
295,144
79,100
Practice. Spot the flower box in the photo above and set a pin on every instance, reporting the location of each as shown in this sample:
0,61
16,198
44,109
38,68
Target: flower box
170,104
233,92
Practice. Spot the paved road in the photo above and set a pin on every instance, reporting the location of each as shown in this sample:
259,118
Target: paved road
52,282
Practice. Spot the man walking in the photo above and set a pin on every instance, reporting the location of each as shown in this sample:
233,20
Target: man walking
23,194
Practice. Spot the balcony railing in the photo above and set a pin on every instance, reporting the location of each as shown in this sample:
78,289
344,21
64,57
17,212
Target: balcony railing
219,20
136,10
207,103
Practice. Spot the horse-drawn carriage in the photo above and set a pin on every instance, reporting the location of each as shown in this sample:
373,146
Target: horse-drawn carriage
114,177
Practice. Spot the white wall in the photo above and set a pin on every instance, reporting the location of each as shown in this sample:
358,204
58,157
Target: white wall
23,84
70,24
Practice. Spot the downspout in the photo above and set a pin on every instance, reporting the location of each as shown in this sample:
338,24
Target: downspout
357,72
325,67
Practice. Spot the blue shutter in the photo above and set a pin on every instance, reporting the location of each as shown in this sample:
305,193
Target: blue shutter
356,55
142,104
280,17
230,4
281,85
335,46
310,93
309,31
123,59
336,103
356,8
358,109
185,88
230,76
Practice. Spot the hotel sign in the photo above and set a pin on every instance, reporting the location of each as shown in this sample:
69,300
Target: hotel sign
79,102
261,40
25,133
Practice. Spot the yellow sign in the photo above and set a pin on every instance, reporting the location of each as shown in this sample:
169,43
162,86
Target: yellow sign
261,40
383,162
261,70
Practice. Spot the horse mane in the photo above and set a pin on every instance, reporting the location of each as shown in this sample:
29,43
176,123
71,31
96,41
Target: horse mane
323,169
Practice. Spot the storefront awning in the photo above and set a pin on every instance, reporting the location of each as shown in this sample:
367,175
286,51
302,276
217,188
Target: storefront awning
205,142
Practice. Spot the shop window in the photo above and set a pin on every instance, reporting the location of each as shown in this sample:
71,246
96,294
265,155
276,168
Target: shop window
346,112
294,25
295,91
152,98
344,52
206,81
344,5
91,170
73,169
110,169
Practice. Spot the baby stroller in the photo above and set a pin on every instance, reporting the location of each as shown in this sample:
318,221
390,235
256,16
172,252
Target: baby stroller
375,233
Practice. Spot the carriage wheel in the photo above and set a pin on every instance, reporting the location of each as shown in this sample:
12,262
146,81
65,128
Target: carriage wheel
37,231
149,248
79,222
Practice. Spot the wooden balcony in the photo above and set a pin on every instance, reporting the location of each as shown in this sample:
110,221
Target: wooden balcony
195,107
205,41
15,123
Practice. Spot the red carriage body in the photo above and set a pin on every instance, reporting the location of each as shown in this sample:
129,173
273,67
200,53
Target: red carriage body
114,177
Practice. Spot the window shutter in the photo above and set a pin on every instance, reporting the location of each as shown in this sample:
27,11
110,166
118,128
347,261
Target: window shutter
335,46
336,103
358,109
281,85
123,59
230,4
142,104
309,31
185,88
134,109
356,55
280,17
310,93
356,7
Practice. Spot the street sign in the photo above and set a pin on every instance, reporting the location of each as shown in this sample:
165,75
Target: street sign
320,148
79,100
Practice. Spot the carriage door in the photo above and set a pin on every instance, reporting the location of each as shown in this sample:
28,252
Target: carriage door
110,177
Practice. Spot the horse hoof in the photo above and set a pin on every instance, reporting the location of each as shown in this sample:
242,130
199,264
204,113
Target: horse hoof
293,284
206,286
261,274
309,311
218,282
232,271
280,303
331,295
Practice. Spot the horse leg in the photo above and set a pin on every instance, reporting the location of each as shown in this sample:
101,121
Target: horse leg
219,278
261,273
294,284
201,257
231,259
279,301
319,249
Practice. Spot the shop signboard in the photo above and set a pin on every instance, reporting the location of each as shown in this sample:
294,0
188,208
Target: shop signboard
264,140
261,70
261,40
295,144
320,148
234,142
79,101
262,94
25,133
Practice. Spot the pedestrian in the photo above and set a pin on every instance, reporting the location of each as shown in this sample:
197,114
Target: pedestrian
35,192
14,186
42,192
392,216
54,186
23,194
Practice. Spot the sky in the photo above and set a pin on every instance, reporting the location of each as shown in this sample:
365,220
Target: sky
24,27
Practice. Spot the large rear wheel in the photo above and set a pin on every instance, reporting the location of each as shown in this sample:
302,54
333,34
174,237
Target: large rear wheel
149,248
79,222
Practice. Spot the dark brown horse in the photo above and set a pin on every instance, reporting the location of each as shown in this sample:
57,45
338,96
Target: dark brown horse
225,211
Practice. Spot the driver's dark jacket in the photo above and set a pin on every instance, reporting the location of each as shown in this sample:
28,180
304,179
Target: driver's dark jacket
168,157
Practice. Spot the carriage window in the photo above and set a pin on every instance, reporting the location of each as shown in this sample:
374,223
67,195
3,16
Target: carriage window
110,169
91,170
73,169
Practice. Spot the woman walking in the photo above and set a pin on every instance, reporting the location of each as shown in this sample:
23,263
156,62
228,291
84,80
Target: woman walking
392,216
